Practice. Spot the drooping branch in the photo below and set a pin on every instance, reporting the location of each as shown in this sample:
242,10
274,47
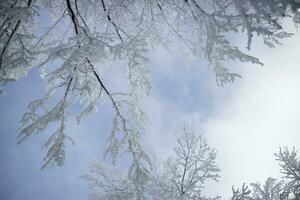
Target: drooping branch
56,153
127,126
11,36
202,26
107,92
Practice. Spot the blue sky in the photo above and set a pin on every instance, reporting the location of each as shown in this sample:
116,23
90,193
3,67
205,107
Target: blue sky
245,121
179,90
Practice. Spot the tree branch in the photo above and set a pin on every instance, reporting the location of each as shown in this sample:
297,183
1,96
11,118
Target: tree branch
111,21
73,17
15,29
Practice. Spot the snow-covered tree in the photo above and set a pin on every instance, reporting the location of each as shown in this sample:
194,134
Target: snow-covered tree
186,172
290,168
110,183
241,194
83,36
286,189
271,189
181,177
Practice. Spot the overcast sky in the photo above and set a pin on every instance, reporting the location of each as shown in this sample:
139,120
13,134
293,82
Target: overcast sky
246,121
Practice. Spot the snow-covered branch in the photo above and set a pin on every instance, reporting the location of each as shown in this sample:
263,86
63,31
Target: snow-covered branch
87,35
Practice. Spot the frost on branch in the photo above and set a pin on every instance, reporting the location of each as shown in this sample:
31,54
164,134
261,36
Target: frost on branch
182,176
34,123
17,22
241,193
270,190
109,183
82,37
186,172
290,168
285,189
80,55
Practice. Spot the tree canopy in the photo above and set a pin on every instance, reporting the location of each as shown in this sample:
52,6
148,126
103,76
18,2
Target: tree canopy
80,37
184,175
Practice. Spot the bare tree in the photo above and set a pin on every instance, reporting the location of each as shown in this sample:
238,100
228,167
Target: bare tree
84,36
182,176
186,173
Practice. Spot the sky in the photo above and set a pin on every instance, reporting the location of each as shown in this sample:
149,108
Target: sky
246,122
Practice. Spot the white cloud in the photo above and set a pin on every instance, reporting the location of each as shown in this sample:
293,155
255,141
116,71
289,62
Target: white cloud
249,120
260,116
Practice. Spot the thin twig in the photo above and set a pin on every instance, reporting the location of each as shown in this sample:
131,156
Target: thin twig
111,21
11,37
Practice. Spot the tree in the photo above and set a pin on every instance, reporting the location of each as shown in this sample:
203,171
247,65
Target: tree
186,172
290,168
85,35
182,176
285,189
270,190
